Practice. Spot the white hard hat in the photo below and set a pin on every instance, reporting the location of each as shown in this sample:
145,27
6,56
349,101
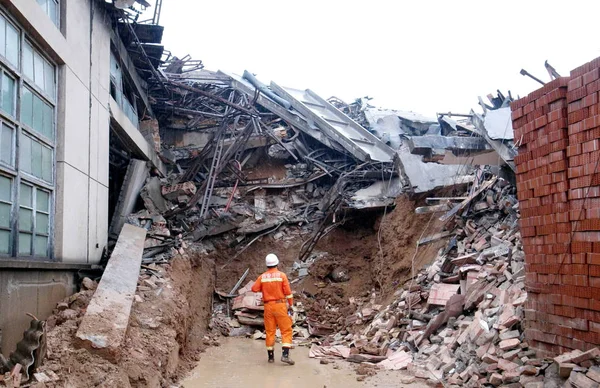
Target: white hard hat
271,260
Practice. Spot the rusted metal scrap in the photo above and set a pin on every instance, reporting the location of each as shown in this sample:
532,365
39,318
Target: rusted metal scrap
30,351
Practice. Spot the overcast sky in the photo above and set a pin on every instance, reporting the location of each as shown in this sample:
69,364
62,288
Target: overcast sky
424,56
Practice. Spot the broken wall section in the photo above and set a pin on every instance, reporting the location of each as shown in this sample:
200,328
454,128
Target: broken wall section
558,127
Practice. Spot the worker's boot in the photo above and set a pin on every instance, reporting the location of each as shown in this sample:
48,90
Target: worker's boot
271,354
285,357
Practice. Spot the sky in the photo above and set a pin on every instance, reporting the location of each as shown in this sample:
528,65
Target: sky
424,56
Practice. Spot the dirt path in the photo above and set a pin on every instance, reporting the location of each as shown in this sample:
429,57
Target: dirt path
242,363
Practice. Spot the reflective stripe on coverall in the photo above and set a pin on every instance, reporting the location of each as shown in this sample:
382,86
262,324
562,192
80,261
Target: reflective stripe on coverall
276,290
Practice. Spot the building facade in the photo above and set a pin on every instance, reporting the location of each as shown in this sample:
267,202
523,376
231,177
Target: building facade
69,97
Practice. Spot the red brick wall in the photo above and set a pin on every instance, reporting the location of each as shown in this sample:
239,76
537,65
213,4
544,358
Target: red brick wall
558,184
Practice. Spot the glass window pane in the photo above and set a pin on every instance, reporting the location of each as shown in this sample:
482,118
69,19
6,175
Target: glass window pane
25,220
24,244
43,201
2,35
53,11
41,246
12,44
25,153
4,242
47,164
38,106
28,60
41,223
25,195
6,145
38,70
48,120
27,107
8,94
5,215
48,78
36,158
5,192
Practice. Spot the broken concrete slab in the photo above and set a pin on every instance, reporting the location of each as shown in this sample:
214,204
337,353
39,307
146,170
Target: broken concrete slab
425,177
136,174
426,145
104,325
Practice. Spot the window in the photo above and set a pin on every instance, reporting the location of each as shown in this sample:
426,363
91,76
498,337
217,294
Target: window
34,221
9,41
38,69
121,93
5,213
27,133
51,9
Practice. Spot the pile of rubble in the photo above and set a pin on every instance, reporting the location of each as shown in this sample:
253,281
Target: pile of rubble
460,319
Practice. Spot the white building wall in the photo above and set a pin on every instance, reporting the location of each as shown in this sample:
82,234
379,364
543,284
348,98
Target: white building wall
82,53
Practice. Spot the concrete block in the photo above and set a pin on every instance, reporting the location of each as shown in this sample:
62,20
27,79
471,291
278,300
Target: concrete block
137,171
104,325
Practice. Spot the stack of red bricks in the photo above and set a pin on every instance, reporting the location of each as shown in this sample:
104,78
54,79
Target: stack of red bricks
558,127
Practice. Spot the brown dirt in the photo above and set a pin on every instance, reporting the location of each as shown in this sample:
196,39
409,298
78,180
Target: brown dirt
354,247
373,270
165,336
271,168
229,268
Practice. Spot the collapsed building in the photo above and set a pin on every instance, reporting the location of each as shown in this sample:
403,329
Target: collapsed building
180,164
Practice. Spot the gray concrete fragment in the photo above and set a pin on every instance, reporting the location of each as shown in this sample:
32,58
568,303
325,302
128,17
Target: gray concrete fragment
425,145
425,177
104,325
132,185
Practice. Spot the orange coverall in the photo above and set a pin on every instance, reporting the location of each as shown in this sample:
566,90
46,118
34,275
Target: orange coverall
276,290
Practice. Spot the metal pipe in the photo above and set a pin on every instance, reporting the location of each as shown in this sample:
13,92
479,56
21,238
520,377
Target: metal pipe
526,73
265,90
237,181
211,96
239,283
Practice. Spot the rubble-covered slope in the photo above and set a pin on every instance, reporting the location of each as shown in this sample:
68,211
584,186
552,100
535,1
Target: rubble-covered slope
166,331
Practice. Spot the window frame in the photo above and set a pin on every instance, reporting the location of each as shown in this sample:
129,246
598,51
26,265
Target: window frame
46,9
14,172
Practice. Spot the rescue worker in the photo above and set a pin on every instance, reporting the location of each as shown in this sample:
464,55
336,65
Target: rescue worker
278,301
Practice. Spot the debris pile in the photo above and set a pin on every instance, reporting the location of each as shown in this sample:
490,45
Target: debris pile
582,369
459,320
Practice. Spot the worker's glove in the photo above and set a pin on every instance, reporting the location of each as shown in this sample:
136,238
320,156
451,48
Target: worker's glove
290,311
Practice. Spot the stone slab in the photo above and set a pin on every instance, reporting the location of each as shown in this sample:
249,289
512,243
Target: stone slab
104,325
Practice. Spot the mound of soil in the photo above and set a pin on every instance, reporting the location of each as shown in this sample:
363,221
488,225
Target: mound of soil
165,336
376,251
